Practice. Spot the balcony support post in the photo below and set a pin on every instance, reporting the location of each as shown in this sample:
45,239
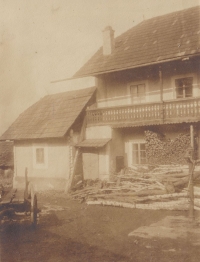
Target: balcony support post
161,93
161,83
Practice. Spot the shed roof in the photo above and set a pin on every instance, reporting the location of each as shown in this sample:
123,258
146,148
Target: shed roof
94,142
156,40
50,117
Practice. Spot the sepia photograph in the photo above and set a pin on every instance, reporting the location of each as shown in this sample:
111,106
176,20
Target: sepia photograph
99,130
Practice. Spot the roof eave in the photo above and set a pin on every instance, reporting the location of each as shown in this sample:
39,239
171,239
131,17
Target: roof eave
130,67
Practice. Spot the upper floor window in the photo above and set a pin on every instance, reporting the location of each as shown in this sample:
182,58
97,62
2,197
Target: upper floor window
184,87
138,92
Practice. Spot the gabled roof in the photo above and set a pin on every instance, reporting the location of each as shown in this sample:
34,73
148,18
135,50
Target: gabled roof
163,38
6,154
52,116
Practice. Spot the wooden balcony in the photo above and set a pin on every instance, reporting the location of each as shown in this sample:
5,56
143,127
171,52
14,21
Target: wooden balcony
174,111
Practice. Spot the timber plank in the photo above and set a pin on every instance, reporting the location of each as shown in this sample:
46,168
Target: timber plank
19,196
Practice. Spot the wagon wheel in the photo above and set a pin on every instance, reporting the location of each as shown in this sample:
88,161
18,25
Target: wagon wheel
34,211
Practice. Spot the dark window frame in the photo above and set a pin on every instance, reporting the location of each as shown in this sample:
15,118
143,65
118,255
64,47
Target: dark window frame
184,87
136,92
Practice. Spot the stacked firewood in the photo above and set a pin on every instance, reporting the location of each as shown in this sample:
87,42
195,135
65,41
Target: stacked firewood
160,150
160,187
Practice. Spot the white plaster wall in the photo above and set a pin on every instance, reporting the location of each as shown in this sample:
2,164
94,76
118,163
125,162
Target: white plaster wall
23,158
113,89
116,101
98,132
104,162
57,166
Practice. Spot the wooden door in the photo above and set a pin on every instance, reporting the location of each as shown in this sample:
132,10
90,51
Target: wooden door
91,164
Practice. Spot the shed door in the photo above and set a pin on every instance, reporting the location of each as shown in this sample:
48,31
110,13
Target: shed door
91,165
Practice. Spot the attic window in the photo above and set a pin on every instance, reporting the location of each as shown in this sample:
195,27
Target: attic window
184,87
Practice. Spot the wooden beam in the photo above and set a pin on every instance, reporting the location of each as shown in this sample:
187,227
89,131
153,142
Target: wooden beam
76,157
191,165
161,83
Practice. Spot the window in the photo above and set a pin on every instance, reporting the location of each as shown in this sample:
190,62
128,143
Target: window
138,153
184,87
40,157
138,92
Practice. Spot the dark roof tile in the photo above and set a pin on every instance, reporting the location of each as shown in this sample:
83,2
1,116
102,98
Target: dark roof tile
94,142
166,37
51,116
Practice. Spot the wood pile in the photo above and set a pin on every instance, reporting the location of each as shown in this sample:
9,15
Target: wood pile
158,187
160,150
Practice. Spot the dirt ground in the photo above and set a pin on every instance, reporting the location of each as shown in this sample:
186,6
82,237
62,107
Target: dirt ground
71,231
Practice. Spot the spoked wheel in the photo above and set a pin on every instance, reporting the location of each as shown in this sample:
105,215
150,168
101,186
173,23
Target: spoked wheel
34,211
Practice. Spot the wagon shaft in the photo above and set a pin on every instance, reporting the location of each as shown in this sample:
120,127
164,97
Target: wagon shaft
13,202
20,204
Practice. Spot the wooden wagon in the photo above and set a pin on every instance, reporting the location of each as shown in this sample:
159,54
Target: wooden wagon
19,204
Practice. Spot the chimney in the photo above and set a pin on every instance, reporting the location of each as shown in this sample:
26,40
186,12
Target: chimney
108,40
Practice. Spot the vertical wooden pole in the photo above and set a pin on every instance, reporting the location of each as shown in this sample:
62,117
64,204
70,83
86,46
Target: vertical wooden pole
161,92
161,83
70,159
191,170
26,183
192,136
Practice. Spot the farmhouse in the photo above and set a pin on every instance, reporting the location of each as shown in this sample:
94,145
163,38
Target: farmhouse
147,82
145,108
44,136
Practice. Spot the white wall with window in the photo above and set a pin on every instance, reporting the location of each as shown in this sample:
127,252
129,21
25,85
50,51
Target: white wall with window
43,160
185,86
136,153
40,156
138,92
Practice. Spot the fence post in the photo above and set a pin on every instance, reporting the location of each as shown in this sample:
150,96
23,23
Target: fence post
191,171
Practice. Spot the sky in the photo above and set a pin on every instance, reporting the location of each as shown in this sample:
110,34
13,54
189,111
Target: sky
43,42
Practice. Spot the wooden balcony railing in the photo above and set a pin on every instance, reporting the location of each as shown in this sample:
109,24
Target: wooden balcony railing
152,113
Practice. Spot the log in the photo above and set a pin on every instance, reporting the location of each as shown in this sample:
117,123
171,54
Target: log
174,195
71,177
84,190
141,193
182,204
131,200
184,181
176,175
172,205
110,203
